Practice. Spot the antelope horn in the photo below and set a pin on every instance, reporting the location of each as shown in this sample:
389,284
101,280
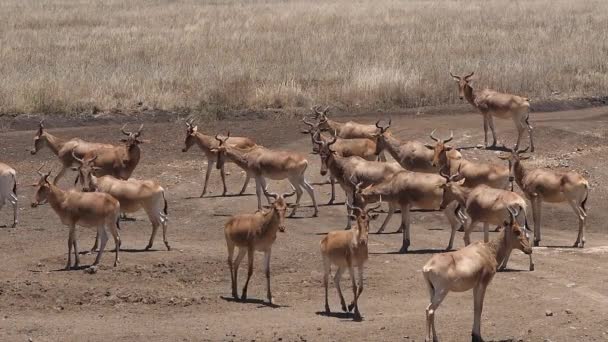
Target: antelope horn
270,194
123,130
457,176
41,124
376,206
445,175
81,161
351,207
334,139
513,213
523,151
433,135
40,168
293,192
138,133
308,123
450,138
314,137
466,78
458,77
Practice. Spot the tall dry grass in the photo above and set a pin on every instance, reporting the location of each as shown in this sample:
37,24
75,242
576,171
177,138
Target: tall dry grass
72,55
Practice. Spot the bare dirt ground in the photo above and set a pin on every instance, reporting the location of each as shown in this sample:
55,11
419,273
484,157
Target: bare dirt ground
180,295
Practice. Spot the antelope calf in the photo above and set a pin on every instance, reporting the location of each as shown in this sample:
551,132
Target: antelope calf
63,148
8,190
265,163
346,130
132,195
472,267
492,103
543,185
255,232
347,249
86,209
207,144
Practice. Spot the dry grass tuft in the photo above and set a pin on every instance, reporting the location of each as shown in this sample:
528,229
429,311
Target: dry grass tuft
71,55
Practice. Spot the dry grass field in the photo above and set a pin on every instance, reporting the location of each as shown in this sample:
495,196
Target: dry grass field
76,55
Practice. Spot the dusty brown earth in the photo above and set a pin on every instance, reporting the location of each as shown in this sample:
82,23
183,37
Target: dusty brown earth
181,295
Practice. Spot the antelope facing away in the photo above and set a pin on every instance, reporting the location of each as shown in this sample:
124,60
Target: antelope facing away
8,190
132,194
483,204
345,169
472,267
347,249
63,148
543,185
265,163
412,155
86,209
207,143
344,130
255,232
494,104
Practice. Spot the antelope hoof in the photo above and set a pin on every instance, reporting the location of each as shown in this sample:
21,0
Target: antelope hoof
502,268
380,231
461,229
331,202
316,214
14,225
404,248
270,301
148,247
224,192
579,244
351,306
344,308
168,247
476,338
327,311
244,297
531,267
357,317
91,270
537,243
400,230
67,268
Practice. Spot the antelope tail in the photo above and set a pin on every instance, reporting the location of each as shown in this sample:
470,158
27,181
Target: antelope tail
166,207
14,185
118,222
584,202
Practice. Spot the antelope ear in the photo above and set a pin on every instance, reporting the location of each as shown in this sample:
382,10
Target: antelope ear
524,157
74,168
443,186
123,140
503,156
352,217
430,147
195,129
266,206
96,168
214,150
449,148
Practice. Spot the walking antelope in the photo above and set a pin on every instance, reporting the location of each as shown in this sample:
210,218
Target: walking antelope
86,209
543,185
263,163
255,232
483,204
207,143
412,155
494,104
344,130
472,267
8,190
347,249
132,195
407,190
344,169
63,148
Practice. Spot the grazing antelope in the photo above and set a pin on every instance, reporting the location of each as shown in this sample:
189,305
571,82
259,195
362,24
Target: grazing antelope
63,148
347,249
543,185
412,155
265,163
482,204
8,190
344,130
407,190
494,104
207,143
472,267
344,169
255,232
86,209
132,195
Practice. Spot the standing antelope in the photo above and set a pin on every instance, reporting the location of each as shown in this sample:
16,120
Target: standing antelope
63,148
472,267
207,143
132,194
543,185
86,209
345,169
412,155
492,103
483,204
265,163
8,190
346,130
347,249
255,232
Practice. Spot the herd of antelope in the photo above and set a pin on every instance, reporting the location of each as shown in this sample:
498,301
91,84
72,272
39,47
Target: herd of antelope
421,176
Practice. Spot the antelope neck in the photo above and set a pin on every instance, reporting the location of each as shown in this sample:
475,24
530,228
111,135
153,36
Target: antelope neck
53,142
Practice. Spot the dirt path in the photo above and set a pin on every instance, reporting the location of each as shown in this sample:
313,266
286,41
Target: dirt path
178,295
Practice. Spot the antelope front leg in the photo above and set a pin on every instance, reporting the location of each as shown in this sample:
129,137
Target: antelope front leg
485,129
267,271
210,164
76,253
536,213
237,263
223,174
389,215
311,193
15,203
60,174
103,236
491,124
247,178
70,245
405,218
479,293
337,278
258,191
332,181
250,252
581,215
454,222
327,270
356,314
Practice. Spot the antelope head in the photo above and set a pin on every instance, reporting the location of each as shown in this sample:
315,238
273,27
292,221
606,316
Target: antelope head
280,205
513,158
321,115
325,152
449,187
132,138
381,134
86,172
362,216
38,138
517,236
43,188
463,82
191,131
440,148
313,129
221,150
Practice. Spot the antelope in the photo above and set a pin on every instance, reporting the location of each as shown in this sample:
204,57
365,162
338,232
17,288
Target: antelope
412,155
265,163
132,195
207,143
63,148
346,130
543,185
8,190
408,189
86,209
347,249
472,267
344,169
482,204
494,104
255,232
